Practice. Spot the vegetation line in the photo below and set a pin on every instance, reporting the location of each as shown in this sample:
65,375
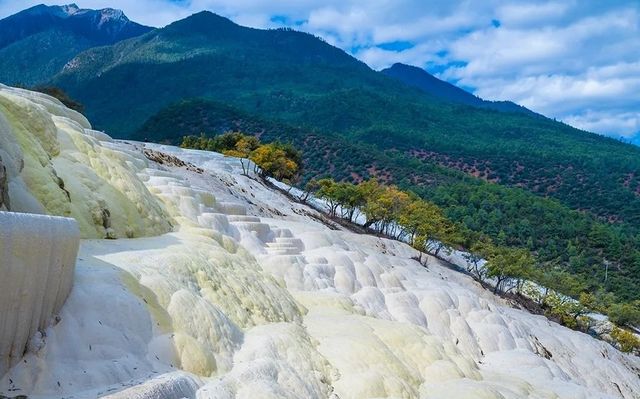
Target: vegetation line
403,215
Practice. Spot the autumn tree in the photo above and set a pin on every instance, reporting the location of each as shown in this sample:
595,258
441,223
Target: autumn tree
383,205
273,162
243,148
626,340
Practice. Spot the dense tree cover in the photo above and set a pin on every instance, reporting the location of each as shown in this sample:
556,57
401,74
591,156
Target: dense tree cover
625,314
605,256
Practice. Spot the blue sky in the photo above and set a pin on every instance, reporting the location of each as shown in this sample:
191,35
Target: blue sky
577,61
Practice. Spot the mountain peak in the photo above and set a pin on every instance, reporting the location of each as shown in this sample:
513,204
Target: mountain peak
400,65
207,16
421,79
105,26
64,11
203,22
58,33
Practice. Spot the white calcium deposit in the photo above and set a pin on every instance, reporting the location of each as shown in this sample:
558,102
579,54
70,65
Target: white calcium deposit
37,258
250,296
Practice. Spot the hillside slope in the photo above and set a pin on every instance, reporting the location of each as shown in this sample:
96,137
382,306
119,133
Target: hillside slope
421,79
299,79
36,43
250,296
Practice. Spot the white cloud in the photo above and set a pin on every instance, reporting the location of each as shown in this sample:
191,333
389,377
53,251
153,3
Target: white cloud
624,124
575,60
531,14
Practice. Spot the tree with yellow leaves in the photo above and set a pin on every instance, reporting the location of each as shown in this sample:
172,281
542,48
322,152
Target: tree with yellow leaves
272,161
243,149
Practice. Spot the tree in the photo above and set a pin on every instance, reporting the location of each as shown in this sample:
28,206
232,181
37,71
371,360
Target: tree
327,191
311,187
273,162
480,249
225,142
507,264
426,226
242,149
350,199
292,154
383,205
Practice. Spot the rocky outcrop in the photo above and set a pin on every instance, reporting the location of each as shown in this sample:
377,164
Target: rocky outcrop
37,261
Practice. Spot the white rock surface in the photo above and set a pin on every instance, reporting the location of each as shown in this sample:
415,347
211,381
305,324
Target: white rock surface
37,260
252,297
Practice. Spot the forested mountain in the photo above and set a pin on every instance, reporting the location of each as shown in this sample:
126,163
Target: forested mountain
423,80
570,196
58,33
301,80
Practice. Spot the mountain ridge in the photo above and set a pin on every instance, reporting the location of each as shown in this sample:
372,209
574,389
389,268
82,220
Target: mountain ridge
423,80
59,33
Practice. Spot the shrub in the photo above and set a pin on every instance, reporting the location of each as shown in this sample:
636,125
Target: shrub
626,340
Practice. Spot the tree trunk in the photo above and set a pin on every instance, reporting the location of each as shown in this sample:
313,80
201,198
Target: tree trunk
497,287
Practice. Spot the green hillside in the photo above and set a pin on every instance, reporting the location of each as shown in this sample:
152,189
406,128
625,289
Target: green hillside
55,49
35,44
354,123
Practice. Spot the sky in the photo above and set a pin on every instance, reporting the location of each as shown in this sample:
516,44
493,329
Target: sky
574,60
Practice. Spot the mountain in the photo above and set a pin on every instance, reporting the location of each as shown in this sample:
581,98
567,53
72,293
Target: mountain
423,80
524,180
58,33
230,289
300,80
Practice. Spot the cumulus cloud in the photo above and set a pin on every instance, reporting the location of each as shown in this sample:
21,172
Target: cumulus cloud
574,60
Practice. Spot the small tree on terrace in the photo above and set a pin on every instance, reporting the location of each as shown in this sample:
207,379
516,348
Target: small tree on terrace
310,188
273,162
242,149
427,227
508,264
481,249
350,199
383,206
327,190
